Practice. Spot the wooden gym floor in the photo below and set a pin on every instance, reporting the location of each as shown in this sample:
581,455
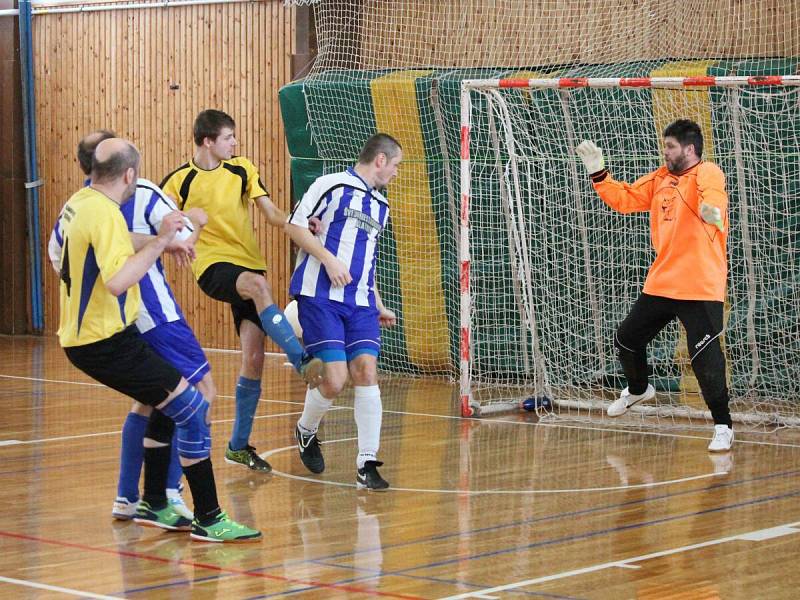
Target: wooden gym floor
501,508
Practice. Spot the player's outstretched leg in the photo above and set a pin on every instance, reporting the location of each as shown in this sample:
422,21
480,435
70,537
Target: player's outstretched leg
277,326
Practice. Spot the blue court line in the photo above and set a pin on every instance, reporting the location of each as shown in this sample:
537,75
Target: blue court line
530,521
506,592
172,584
403,572
599,532
379,574
533,520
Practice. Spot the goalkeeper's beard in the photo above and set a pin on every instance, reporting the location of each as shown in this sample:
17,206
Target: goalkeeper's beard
679,164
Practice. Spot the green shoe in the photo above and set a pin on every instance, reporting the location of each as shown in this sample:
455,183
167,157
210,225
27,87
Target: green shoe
247,456
224,530
165,518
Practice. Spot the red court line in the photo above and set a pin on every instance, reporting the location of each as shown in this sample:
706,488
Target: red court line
188,563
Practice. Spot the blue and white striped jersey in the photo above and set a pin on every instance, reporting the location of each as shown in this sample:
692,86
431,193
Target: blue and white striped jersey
143,214
353,215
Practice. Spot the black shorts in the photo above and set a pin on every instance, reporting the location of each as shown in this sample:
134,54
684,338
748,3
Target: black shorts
126,363
219,282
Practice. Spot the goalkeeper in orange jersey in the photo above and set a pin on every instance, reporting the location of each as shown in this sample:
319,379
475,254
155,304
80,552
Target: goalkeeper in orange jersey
687,203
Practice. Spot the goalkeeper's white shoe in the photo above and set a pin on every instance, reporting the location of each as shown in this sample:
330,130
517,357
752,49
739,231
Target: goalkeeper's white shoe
621,405
722,440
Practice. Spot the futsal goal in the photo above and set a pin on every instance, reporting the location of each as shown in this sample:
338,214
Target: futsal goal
548,271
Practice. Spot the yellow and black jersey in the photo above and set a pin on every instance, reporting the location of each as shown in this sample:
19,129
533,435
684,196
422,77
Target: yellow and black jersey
225,194
96,246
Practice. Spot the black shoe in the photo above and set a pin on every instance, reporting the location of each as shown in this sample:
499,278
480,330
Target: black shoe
368,477
310,454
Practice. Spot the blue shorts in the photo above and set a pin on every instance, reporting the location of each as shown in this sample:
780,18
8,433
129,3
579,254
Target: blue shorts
176,344
333,331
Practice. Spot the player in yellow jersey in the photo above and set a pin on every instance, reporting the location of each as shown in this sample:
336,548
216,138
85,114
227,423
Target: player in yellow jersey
99,298
229,266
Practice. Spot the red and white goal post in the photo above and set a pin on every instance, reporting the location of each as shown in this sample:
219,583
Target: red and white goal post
547,271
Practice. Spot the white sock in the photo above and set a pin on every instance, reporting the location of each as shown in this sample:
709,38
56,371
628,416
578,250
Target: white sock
368,413
316,405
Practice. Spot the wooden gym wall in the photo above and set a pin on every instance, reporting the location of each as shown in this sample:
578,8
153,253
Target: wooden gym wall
145,74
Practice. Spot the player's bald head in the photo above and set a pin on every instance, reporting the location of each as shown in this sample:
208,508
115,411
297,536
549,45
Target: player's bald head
87,146
112,158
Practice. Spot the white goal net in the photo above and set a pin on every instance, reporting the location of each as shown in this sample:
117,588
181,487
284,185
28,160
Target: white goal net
553,271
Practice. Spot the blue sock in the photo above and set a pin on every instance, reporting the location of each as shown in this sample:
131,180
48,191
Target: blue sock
247,393
277,327
175,471
131,456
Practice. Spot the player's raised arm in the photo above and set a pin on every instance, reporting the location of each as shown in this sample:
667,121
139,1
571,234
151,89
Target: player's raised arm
620,196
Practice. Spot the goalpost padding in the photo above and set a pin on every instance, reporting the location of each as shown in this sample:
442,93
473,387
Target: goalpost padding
547,271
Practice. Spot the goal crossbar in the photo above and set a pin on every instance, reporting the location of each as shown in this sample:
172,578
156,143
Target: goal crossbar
673,83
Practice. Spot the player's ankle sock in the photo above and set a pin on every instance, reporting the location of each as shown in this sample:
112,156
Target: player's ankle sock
315,407
131,456
175,471
156,464
368,413
248,392
278,328
200,477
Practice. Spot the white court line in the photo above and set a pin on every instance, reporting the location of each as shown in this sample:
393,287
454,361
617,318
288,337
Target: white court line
655,484
757,535
458,417
90,435
42,380
55,588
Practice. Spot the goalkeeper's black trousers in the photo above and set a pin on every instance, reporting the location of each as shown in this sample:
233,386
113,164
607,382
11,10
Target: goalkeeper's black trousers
703,323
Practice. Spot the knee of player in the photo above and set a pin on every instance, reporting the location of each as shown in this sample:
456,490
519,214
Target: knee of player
194,436
252,363
363,366
256,287
622,344
363,374
189,410
333,384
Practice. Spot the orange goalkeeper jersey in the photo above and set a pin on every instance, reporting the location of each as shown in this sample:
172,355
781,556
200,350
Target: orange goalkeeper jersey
691,260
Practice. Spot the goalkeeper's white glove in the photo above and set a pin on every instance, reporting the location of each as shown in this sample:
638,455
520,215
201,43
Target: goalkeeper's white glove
591,156
711,215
